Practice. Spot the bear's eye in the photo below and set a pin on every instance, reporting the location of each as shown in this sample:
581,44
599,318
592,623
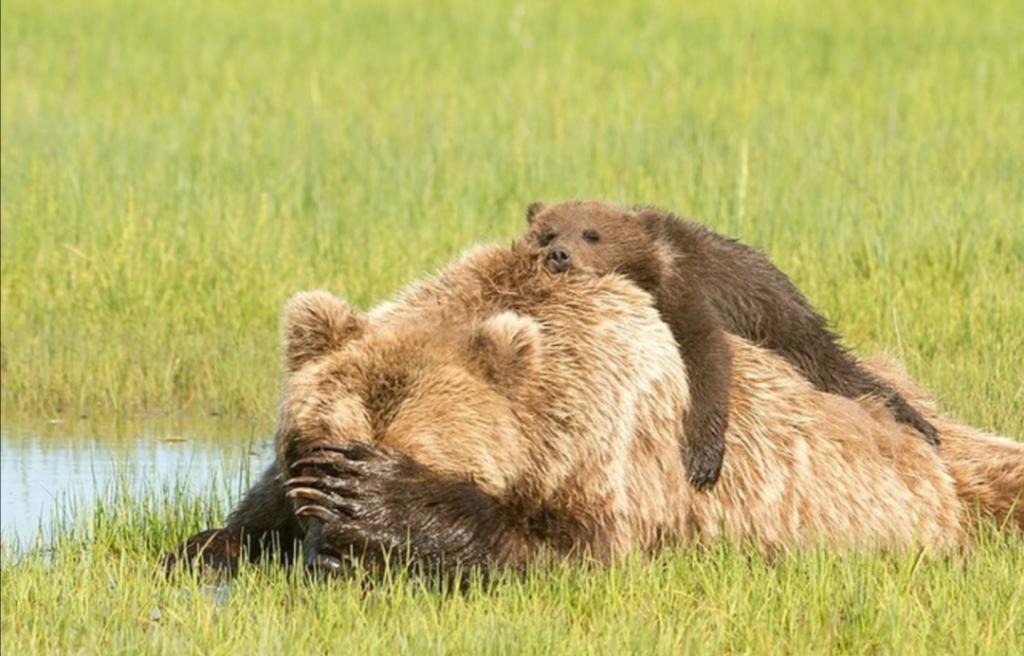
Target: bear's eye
591,236
545,238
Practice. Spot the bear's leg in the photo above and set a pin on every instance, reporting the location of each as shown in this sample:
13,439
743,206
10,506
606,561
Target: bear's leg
851,380
375,505
804,339
263,524
705,352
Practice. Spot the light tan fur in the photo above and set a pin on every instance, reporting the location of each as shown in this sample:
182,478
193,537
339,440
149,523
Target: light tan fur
565,393
988,470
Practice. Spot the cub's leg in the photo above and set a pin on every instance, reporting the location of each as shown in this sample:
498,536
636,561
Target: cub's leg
757,301
812,348
705,352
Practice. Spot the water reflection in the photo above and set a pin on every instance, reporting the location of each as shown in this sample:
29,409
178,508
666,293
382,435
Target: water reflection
43,466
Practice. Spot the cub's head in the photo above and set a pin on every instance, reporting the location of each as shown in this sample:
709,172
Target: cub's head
593,236
443,396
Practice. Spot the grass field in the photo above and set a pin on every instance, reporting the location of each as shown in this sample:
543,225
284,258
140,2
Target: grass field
172,172
102,594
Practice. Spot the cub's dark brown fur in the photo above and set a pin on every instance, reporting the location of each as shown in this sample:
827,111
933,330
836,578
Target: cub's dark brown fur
704,285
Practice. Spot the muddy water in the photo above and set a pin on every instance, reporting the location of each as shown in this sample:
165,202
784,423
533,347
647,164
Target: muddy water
46,465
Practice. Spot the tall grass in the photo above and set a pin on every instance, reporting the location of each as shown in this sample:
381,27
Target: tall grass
100,590
172,172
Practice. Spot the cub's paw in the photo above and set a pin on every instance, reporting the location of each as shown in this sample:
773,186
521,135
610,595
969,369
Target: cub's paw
217,550
906,414
704,465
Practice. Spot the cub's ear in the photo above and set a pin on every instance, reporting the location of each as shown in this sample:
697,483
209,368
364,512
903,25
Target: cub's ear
316,323
507,348
653,221
532,210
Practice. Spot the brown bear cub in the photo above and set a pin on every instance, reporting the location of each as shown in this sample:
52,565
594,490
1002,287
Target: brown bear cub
704,285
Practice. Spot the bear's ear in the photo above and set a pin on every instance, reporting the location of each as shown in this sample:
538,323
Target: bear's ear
532,210
507,348
652,220
316,323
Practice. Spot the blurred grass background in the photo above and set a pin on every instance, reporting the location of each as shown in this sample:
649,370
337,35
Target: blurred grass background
172,172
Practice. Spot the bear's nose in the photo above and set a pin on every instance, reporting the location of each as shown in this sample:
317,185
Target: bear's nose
558,260
323,565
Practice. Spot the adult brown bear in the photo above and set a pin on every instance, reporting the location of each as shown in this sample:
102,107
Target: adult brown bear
497,413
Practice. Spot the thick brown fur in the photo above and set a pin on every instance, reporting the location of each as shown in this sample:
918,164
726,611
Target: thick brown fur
988,470
499,414
703,285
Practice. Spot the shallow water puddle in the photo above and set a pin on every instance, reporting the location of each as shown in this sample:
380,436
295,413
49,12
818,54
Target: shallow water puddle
44,467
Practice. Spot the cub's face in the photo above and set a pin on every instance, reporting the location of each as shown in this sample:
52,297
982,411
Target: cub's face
445,398
588,236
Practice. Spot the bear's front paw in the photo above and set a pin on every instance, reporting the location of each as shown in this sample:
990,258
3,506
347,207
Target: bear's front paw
348,493
216,549
703,467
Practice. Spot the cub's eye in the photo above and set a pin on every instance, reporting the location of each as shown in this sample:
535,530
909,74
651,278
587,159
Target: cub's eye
545,238
591,236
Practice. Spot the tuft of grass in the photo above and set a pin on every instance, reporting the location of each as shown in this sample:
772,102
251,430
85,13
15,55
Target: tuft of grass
171,173
100,590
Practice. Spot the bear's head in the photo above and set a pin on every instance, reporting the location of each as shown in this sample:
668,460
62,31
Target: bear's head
446,397
595,237
492,371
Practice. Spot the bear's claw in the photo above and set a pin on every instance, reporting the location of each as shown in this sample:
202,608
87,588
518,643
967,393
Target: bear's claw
319,512
345,489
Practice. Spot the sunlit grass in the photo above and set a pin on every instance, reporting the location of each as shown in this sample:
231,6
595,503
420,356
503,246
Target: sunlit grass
101,590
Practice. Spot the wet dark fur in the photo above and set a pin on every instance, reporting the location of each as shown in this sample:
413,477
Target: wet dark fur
367,506
379,507
263,525
713,284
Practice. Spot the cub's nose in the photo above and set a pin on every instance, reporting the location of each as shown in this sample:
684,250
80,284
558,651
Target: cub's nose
558,260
